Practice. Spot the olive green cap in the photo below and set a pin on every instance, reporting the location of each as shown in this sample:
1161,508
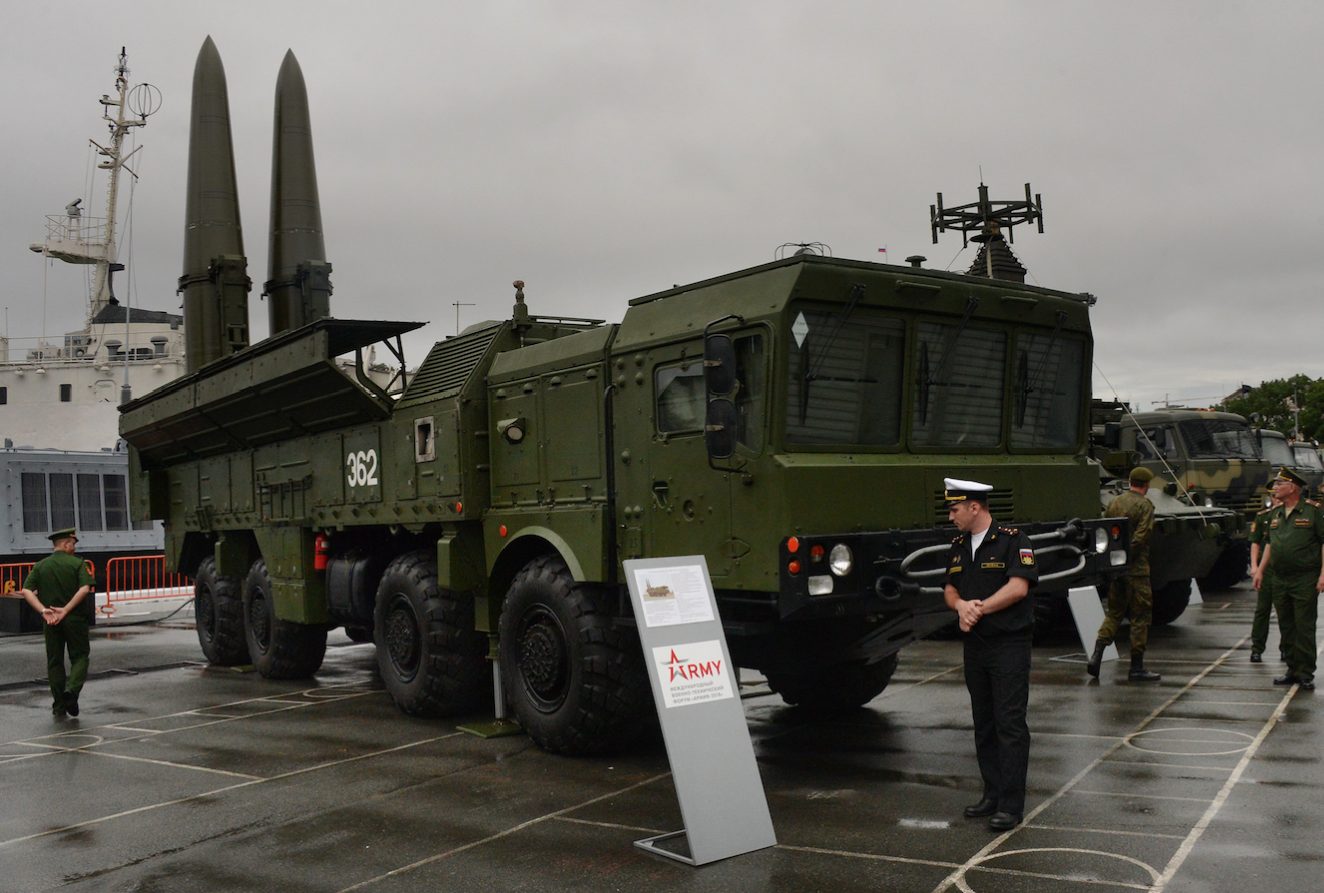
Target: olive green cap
1287,474
66,534
1141,475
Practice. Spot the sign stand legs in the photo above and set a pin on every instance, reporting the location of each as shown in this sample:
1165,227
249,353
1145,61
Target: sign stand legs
650,844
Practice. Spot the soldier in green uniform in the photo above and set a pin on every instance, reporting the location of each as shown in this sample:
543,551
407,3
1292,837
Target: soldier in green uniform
55,588
1131,594
1259,627
1294,562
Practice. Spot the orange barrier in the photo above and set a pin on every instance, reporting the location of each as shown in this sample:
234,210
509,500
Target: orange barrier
12,577
141,578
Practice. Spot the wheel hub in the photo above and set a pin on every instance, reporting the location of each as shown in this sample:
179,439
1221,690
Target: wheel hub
204,610
402,638
544,657
259,620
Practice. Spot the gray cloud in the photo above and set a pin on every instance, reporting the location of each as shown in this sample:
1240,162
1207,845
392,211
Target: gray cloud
602,151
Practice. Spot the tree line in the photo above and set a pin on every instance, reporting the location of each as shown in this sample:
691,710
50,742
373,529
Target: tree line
1274,402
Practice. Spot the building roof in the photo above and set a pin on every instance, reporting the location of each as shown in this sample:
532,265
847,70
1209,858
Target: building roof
115,313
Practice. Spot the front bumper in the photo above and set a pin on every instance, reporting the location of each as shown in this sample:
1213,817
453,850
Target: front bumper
904,570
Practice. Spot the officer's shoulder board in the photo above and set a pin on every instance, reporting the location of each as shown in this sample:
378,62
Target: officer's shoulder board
1313,502
1011,530
956,539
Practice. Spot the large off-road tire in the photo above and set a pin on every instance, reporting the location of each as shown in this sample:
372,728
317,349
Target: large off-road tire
576,683
1170,600
431,659
218,608
1232,566
279,649
836,688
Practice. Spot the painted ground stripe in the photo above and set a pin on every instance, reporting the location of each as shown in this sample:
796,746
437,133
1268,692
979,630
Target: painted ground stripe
514,829
1063,828
1002,838
1211,813
234,787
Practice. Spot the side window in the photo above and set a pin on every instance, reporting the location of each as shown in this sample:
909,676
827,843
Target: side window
751,389
681,396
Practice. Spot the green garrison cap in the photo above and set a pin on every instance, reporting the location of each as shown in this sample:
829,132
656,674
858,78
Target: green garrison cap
1141,475
66,534
1287,474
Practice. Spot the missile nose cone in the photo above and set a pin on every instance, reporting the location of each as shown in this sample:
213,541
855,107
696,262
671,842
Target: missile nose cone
296,213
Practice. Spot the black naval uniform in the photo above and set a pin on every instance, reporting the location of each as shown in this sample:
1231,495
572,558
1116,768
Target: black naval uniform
997,660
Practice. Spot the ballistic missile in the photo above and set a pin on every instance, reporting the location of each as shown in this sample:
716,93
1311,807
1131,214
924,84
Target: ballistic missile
215,282
298,287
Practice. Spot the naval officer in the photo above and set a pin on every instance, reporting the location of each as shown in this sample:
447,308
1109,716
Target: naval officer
990,571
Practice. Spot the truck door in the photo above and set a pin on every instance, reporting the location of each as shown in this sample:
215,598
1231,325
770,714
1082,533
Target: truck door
669,502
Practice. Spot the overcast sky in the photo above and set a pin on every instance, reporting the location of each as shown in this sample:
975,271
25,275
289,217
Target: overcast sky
602,151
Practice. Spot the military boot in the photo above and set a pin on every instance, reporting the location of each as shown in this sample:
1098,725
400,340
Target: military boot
1138,672
1096,659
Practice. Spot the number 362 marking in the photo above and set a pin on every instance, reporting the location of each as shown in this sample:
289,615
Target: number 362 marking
362,468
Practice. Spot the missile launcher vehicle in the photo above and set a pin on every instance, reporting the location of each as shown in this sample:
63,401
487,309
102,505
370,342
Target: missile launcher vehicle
792,423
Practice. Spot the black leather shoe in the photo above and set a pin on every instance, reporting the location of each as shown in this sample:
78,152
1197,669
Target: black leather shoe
71,703
982,808
1289,679
1003,821
58,711
1308,684
1255,658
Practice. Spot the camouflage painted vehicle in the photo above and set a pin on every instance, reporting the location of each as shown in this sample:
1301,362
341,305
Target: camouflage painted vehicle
1300,457
1210,459
792,423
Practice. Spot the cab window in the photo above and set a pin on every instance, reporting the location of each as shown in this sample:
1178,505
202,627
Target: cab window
681,396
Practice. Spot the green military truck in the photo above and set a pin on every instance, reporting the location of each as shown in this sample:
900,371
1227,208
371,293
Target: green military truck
1210,459
792,423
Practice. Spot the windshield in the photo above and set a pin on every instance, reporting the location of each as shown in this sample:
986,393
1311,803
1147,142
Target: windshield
1307,457
1219,439
1047,392
844,381
1276,451
958,386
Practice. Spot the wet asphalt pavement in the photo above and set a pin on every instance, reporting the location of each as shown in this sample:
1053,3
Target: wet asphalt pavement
182,778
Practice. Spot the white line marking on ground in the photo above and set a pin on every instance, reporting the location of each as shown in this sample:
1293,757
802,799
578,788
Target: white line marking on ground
955,877
233,787
876,857
1189,843
566,818
120,756
1067,830
1139,796
500,834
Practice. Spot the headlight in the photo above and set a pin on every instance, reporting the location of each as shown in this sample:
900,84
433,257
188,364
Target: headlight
1208,502
820,585
840,560
1117,558
1100,540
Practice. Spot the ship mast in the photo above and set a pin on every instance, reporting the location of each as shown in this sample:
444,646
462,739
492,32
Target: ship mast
77,240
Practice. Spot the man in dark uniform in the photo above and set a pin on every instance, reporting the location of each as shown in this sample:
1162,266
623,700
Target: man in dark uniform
1259,626
56,587
990,570
1131,594
1294,561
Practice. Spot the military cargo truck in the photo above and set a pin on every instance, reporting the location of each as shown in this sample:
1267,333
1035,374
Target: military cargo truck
1302,458
792,423
1209,459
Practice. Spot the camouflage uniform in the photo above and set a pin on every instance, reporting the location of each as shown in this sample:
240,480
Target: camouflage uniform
1295,541
1259,627
1132,594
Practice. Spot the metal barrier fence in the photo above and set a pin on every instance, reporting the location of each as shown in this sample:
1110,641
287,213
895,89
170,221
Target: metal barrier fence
141,578
13,575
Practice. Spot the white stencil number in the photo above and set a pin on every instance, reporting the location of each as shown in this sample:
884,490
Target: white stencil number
362,468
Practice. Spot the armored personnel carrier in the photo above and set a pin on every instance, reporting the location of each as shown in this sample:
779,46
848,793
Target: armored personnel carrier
791,422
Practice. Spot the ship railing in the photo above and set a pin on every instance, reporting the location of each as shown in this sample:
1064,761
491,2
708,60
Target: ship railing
88,230
141,578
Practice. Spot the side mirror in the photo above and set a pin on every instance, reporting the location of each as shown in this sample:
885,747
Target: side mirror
719,428
1112,435
719,364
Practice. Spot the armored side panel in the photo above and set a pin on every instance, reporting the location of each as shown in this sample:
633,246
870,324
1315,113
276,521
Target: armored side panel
548,429
214,283
298,287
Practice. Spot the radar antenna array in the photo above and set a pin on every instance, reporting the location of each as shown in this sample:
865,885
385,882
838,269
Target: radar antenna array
986,217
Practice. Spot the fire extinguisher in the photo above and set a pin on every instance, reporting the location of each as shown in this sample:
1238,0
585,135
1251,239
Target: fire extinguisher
321,546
